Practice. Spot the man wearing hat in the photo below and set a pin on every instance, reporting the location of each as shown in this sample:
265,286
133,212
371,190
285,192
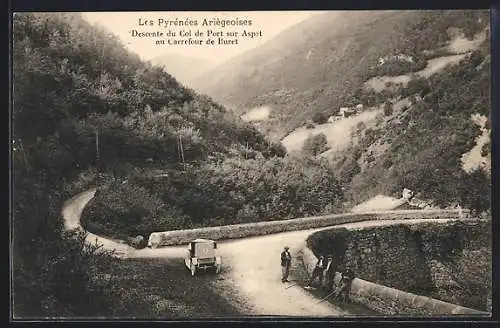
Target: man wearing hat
329,274
286,262
318,271
344,287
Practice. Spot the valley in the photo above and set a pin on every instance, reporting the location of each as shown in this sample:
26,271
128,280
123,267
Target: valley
337,114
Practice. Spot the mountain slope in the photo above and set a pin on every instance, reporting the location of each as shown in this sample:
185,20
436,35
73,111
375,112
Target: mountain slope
321,64
183,68
422,144
97,86
87,113
422,76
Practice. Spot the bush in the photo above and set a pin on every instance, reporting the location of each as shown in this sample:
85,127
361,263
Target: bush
310,125
387,163
315,145
319,118
485,149
230,192
138,242
418,86
487,125
330,242
126,210
476,192
388,109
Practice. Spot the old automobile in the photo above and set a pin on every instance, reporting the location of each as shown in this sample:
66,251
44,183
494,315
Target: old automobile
202,255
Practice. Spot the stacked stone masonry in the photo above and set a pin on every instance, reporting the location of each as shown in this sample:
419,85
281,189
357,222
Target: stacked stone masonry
450,262
178,237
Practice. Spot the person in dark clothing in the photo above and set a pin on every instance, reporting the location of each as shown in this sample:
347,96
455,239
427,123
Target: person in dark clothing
329,273
344,287
318,271
286,262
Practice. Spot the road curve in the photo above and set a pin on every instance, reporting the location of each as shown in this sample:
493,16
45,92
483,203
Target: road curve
251,264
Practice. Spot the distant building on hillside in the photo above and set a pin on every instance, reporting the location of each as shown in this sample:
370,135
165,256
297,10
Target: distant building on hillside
404,58
309,124
334,118
346,112
400,57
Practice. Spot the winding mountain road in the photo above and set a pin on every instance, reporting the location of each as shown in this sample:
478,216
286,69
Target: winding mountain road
251,265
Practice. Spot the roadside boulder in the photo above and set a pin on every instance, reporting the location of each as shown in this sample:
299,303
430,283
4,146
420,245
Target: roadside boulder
138,242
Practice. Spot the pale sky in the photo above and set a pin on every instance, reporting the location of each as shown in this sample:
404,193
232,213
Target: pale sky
122,23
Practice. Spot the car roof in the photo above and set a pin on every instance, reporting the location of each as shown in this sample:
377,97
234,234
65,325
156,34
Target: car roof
200,240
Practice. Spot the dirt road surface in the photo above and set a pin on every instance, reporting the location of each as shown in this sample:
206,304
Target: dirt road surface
251,266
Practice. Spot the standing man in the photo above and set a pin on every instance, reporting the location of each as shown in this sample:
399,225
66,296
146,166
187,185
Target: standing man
286,262
343,290
318,271
329,274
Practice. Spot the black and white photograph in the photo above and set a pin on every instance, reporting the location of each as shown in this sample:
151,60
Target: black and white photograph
188,165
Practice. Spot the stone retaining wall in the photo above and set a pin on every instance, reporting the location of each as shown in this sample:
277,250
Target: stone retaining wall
179,237
391,301
449,261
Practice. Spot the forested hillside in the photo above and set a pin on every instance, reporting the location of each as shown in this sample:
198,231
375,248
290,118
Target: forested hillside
88,113
422,74
321,64
421,144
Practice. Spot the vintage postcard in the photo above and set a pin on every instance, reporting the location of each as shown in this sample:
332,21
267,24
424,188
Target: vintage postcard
194,165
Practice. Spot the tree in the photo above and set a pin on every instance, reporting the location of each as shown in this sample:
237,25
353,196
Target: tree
388,108
315,144
319,118
485,149
418,86
487,124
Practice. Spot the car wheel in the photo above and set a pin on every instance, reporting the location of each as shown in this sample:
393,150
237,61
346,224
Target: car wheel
193,270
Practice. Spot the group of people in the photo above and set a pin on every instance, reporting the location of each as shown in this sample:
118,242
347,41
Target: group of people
324,271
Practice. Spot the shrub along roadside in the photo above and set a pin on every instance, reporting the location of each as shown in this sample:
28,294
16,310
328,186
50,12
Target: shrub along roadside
232,192
55,273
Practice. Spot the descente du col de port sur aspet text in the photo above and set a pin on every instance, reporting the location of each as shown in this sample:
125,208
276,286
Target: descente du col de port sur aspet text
186,35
